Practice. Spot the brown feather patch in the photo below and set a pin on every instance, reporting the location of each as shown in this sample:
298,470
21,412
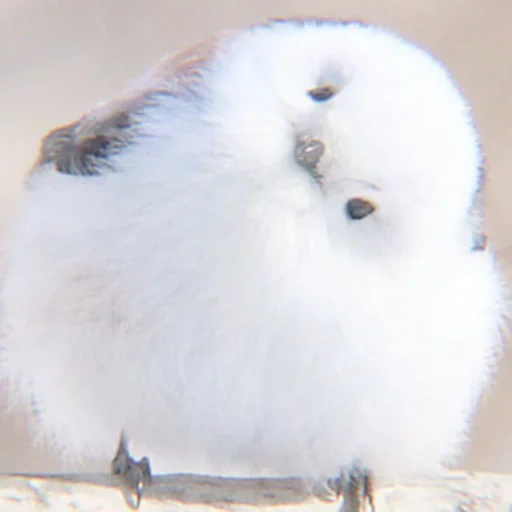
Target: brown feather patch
78,147
182,73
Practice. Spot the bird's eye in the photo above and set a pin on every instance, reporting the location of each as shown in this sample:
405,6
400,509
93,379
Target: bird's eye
322,93
359,208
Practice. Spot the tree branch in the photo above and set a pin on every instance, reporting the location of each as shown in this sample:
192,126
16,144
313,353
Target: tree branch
454,492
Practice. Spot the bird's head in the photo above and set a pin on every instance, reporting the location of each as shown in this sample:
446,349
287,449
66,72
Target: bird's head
340,121
349,120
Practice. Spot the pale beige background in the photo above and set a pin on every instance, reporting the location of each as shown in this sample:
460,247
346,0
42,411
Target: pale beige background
57,57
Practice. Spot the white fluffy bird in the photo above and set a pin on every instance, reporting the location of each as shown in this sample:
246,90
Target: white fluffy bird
265,258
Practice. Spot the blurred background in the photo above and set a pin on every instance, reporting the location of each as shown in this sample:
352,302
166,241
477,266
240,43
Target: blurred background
58,57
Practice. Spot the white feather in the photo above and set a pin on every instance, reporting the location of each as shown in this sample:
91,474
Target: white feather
212,300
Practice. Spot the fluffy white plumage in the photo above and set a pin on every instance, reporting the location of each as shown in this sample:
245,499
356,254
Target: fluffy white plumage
207,295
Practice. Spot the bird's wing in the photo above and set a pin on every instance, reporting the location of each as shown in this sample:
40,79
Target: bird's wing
78,147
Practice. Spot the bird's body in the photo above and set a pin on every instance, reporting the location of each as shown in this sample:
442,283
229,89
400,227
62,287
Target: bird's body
213,298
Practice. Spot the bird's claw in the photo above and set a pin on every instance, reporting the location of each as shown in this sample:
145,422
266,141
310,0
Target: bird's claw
135,475
357,491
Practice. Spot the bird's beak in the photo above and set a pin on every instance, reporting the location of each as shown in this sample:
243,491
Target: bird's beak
308,153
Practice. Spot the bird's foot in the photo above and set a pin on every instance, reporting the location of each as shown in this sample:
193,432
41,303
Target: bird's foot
135,475
357,492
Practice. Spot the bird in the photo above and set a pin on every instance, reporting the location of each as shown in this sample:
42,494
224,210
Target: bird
264,257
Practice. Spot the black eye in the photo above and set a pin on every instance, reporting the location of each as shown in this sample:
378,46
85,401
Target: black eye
322,93
358,208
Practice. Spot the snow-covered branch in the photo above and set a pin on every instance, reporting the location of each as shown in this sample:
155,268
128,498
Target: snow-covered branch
454,492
